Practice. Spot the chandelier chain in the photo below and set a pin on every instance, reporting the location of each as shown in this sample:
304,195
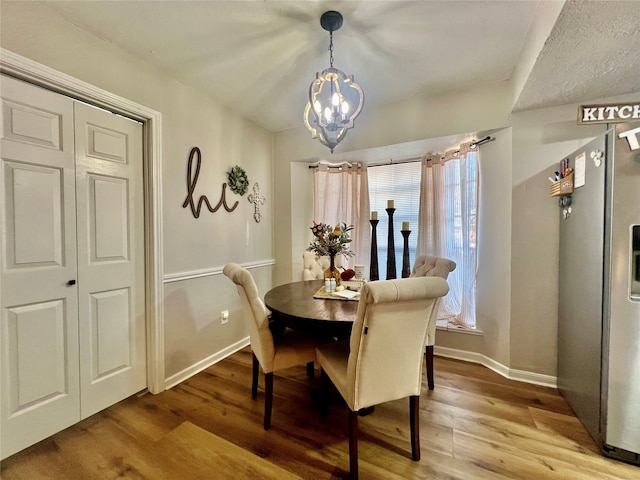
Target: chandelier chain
331,49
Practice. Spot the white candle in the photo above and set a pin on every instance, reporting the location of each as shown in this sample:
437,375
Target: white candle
405,225
389,203
374,215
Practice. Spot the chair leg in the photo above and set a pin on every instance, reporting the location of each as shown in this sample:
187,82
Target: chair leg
353,445
268,399
414,419
311,373
254,378
430,367
326,392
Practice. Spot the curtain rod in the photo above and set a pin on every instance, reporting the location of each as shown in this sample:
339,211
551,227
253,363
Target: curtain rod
415,158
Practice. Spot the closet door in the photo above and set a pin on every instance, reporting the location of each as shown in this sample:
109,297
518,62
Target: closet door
72,305
110,257
39,388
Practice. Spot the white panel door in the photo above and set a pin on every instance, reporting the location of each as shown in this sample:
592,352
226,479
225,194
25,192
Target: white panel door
110,227
39,387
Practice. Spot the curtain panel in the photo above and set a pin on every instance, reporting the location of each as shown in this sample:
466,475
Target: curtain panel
341,194
448,226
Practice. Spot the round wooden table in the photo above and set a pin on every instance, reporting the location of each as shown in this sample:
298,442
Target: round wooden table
294,304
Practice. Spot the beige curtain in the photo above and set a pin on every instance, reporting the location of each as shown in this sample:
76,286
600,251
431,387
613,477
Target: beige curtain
448,225
341,194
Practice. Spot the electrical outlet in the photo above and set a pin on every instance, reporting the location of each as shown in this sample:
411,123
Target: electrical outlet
224,317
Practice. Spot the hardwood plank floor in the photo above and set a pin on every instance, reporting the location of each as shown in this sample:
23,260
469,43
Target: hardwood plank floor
474,425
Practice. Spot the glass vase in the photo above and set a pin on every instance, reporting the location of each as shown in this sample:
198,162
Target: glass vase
332,271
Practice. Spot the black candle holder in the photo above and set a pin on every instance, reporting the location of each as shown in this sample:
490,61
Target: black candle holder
391,248
373,268
406,261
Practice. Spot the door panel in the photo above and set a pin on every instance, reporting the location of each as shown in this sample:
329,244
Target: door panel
31,125
106,144
36,328
34,230
111,324
109,230
110,257
39,386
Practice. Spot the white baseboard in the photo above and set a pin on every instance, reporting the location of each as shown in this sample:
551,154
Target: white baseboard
179,377
473,357
512,374
535,378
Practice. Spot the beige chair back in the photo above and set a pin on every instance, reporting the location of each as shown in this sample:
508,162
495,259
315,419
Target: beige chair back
427,266
388,339
256,314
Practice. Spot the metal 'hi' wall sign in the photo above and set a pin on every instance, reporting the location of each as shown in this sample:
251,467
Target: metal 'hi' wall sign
192,181
238,183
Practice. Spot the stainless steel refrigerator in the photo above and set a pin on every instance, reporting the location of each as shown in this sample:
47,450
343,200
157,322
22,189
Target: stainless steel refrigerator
599,291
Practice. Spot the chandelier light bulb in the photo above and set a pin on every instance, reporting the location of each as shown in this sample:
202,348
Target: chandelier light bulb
327,114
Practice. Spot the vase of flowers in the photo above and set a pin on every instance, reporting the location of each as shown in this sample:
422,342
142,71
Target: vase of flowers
332,271
331,241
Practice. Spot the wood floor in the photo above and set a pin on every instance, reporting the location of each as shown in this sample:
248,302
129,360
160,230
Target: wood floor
474,425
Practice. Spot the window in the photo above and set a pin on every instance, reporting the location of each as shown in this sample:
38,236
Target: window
444,226
401,183
460,208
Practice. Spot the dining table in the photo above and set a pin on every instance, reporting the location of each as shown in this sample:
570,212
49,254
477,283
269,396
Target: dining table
295,305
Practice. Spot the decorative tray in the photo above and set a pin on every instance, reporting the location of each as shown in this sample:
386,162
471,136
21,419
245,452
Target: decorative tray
342,295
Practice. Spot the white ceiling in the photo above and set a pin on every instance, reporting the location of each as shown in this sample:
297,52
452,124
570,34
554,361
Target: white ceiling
258,57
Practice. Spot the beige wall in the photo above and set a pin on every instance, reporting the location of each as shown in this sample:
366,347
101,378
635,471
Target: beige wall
192,307
493,281
484,108
541,138
481,109
518,247
517,265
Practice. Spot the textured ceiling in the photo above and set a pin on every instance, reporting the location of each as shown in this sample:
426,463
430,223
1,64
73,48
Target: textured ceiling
592,52
258,57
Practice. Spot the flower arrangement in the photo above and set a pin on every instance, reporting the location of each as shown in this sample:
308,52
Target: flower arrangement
331,241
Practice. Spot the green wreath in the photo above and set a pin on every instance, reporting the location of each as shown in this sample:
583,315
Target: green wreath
238,181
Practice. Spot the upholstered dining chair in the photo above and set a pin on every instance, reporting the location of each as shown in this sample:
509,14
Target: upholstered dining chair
428,266
382,360
314,266
290,349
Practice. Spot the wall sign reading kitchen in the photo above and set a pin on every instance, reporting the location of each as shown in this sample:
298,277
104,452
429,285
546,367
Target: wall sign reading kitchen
611,113
614,113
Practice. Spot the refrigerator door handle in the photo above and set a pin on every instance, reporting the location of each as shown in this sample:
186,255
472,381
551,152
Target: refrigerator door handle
634,291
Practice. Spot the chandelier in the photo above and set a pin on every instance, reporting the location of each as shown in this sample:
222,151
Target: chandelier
335,100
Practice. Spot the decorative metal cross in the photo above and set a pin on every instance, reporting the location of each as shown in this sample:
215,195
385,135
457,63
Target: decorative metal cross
257,200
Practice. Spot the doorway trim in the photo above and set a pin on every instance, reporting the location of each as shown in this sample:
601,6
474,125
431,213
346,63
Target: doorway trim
25,69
